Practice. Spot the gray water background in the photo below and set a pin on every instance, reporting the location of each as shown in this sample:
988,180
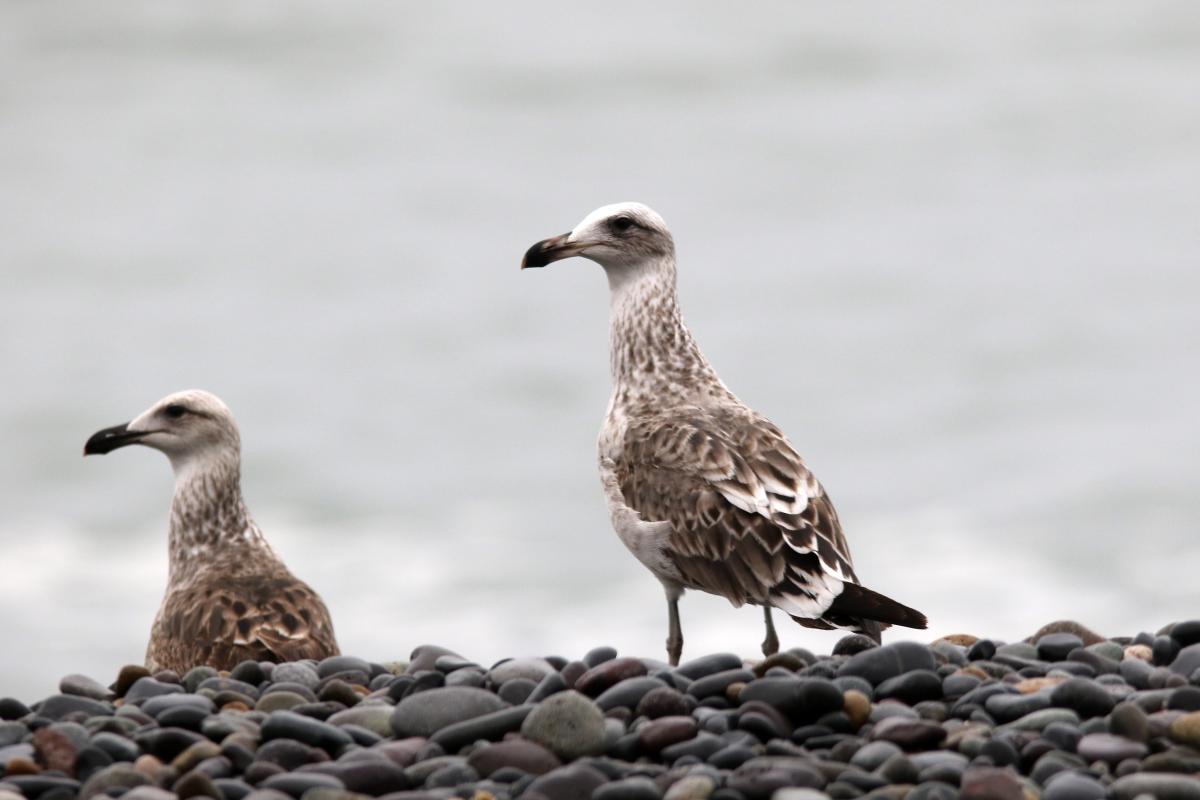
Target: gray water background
951,249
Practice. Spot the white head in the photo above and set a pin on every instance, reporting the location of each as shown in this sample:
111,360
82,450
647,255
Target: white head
623,238
191,428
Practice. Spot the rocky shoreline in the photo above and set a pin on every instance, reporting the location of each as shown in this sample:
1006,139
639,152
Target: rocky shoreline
1064,715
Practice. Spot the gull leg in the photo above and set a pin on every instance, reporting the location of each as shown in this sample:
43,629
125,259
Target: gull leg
770,645
674,631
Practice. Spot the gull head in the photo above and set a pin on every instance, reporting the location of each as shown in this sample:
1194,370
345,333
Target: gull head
187,426
622,238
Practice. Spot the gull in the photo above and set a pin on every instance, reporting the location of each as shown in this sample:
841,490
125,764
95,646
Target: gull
229,597
707,493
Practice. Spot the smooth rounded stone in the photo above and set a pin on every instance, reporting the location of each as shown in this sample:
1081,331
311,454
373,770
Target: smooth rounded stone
1085,697
1186,729
666,731
661,702
1000,751
266,794
853,644
1135,672
627,693
990,783
1074,786
337,690
718,682
424,657
801,699
1057,646
297,783
372,776
1098,664
731,756
323,793
898,769
466,677
691,787
912,686
249,671
12,732
516,691
910,734
1009,707
709,665
296,672
759,778
118,747
1064,736
427,712
1187,632
635,788
933,790
127,676
872,755
119,775
553,683
290,725
46,785
194,754
798,794
529,757
1186,698
196,784
149,793
335,664
1109,748
880,663
569,724
282,701
572,782
376,718
1038,720
1187,662
418,772
608,673
533,669
219,685
955,685
1019,650
1157,785
166,743
486,726
83,686
1164,650
288,753
59,705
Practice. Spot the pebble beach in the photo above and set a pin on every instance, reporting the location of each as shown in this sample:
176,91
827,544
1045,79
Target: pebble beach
1066,714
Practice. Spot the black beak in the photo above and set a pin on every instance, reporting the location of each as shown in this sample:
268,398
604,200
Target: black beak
544,252
110,439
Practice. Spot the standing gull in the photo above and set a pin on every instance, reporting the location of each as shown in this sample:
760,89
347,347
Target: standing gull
229,597
705,491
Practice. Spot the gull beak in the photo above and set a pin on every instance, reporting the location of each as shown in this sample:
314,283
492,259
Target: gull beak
110,439
546,251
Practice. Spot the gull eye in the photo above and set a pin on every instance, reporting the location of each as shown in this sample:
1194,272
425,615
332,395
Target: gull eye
621,223
175,411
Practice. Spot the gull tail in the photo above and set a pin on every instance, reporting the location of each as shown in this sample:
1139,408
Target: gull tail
860,609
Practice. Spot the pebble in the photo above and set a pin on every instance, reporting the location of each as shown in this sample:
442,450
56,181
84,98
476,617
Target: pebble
1066,715
427,712
569,724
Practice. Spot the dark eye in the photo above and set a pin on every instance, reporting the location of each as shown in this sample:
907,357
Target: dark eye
622,223
175,411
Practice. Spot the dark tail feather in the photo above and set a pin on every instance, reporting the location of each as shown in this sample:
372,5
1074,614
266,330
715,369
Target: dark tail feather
862,603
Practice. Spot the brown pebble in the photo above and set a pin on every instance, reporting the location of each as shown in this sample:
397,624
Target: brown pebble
149,766
1085,633
195,784
857,707
55,750
1031,685
236,705
128,676
971,669
782,659
733,692
960,639
21,766
991,783
666,731
608,673
1139,651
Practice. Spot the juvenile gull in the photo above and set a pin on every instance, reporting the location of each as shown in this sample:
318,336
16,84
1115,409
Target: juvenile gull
707,493
229,596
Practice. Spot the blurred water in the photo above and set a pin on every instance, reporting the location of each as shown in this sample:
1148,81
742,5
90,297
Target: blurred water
953,253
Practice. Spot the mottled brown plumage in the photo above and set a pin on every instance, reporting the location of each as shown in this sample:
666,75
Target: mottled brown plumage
706,492
229,597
